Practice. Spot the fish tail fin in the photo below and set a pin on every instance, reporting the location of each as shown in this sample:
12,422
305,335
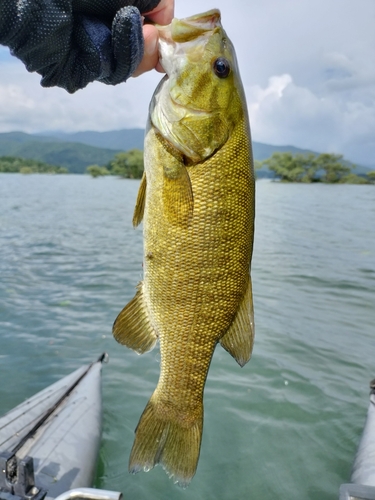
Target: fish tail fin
173,443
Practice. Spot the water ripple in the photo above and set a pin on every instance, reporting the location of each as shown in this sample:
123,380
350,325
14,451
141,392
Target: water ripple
284,426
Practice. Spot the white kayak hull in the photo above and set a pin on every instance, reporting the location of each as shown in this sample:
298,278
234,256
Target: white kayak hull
362,486
60,429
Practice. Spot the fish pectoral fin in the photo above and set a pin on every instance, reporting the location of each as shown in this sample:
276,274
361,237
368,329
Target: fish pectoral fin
178,198
132,326
140,203
239,339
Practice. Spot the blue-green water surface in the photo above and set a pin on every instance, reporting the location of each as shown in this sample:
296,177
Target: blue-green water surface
286,425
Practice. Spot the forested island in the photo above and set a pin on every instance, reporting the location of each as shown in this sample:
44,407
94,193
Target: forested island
14,164
308,168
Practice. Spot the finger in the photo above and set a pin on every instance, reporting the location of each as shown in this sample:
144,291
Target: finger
163,13
151,55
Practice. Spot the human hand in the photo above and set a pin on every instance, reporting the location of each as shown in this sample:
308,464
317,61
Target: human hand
74,42
162,14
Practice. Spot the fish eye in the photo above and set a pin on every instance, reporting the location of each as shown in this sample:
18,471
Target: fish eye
221,67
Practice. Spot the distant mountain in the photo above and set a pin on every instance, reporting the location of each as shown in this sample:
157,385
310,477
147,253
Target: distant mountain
123,140
72,155
126,139
263,151
133,138
78,150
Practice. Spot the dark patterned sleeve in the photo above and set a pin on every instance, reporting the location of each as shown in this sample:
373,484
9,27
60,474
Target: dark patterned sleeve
74,42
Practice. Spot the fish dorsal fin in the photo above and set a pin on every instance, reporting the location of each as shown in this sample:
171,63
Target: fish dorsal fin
140,203
178,199
239,339
132,326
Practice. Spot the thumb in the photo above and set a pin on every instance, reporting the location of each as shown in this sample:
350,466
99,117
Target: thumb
151,55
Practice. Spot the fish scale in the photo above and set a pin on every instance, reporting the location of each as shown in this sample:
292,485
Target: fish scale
197,203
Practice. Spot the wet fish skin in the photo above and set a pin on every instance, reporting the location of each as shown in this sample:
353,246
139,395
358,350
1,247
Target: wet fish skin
197,199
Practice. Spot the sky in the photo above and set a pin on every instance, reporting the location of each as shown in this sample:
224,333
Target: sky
307,66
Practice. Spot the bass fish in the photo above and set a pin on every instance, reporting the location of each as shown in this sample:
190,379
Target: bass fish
196,199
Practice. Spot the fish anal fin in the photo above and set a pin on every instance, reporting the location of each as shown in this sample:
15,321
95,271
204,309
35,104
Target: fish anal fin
132,326
178,199
239,339
166,440
140,203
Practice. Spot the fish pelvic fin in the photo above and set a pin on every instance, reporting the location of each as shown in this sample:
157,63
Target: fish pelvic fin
132,326
140,203
239,339
173,442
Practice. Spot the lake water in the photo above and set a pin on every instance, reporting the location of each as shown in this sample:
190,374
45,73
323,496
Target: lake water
286,425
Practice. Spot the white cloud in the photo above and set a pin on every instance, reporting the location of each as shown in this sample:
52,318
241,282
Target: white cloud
306,67
26,106
14,94
285,113
259,97
347,74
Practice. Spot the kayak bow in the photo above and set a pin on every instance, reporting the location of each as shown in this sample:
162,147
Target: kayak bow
50,443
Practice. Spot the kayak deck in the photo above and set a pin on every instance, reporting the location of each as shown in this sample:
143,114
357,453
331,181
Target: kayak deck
60,428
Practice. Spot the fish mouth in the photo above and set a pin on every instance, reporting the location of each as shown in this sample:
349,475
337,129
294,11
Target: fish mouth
190,28
186,31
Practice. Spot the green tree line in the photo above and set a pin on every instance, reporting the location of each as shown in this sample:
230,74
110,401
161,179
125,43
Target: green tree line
288,167
14,164
128,164
307,168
